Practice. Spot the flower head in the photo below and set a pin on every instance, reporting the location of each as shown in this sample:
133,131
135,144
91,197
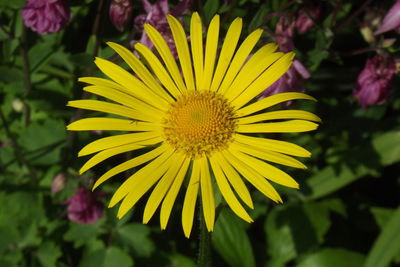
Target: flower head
120,13
194,121
374,82
46,16
84,206
391,21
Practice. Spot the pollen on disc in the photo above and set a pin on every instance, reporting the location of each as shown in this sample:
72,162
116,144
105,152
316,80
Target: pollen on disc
199,123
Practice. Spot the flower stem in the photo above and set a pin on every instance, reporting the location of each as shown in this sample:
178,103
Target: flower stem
204,259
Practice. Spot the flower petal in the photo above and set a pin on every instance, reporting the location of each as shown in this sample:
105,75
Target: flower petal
111,124
279,115
196,44
189,203
292,126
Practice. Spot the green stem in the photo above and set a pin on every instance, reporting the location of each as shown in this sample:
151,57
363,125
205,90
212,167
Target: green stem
204,259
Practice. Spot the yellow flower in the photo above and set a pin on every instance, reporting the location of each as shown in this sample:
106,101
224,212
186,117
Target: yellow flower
195,122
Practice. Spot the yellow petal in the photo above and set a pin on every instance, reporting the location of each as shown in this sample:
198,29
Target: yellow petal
145,173
234,179
130,164
279,115
273,145
111,124
211,52
270,172
169,200
189,203
139,183
116,140
271,101
158,69
161,190
256,65
239,59
183,51
207,194
261,153
105,154
292,126
107,108
146,111
266,79
132,84
166,55
228,48
253,177
142,72
196,44
227,192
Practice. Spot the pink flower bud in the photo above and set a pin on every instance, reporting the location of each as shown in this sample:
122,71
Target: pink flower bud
391,21
120,13
374,82
305,17
84,207
58,182
46,16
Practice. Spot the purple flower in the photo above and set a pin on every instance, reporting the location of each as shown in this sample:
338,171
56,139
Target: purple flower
374,82
284,33
46,16
392,20
305,18
155,15
120,13
84,207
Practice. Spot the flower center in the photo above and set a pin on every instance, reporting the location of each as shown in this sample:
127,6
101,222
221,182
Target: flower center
199,123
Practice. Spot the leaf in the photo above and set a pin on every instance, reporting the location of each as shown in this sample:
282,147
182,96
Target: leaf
231,241
39,54
210,9
387,245
381,215
382,150
386,145
48,253
81,233
179,260
108,257
42,142
330,257
258,18
136,236
9,75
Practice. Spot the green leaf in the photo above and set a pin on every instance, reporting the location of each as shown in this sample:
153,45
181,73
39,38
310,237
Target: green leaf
386,145
9,75
109,257
258,18
48,253
329,257
15,4
387,245
210,8
382,215
179,260
231,241
42,142
81,233
40,54
136,236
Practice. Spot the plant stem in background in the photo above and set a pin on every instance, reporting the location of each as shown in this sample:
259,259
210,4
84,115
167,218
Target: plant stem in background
27,74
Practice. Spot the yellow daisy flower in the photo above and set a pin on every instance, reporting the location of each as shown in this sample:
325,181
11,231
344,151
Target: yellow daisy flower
195,122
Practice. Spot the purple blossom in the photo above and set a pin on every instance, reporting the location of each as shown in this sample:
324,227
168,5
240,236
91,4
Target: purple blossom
84,207
305,18
46,16
292,80
374,82
391,21
155,15
120,13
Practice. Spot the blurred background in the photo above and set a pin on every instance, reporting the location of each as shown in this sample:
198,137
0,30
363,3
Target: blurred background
346,212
